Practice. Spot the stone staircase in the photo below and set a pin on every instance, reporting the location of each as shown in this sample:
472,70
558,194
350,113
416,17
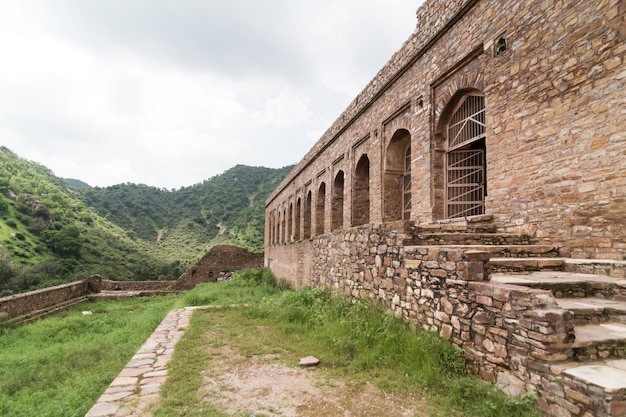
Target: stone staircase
588,372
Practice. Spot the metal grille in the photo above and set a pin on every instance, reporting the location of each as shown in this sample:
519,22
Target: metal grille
465,179
467,123
406,190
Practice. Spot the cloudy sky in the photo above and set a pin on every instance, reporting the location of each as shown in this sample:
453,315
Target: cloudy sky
171,92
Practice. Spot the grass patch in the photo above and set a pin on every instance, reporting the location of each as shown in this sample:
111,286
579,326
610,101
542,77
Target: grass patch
60,365
355,342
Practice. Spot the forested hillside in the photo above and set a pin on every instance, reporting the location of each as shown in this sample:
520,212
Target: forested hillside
183,224
51,232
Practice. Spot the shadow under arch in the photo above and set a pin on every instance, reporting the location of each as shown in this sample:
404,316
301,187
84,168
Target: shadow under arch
397,177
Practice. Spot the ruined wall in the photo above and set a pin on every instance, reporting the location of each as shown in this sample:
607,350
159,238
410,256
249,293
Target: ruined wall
509,334
108,285
19,305
217,260
554,120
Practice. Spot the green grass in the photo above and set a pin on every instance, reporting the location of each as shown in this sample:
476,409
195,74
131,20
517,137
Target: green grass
355,342
60,365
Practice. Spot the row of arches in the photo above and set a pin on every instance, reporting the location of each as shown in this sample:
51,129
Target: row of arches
462,181
294,222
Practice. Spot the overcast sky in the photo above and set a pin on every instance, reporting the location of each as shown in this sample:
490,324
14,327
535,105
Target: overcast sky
169,93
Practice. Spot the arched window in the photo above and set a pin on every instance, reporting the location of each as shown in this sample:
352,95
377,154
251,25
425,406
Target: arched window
307,215
465,180
337,202
290,223
284,227
298,215
406,196
397,177
278,227
320,210
361,192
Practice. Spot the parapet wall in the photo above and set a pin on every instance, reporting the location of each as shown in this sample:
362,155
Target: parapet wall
19,305
108,285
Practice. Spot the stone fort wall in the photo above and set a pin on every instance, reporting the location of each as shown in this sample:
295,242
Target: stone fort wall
550,77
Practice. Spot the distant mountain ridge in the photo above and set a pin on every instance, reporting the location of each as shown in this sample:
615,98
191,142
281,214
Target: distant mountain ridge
226,209
54,230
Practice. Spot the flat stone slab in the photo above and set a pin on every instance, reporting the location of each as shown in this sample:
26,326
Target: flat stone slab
138,384
609,375
603,332
550,277
309,361
591,305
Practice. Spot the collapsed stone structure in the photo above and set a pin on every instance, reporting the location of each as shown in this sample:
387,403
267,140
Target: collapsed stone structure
216,262
25,307
477,186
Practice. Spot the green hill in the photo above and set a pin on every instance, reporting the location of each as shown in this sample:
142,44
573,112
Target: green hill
54,231
182,225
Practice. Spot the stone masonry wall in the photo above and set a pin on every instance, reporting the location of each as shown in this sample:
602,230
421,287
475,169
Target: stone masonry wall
217,260
108,285
507,333
21,304
554,104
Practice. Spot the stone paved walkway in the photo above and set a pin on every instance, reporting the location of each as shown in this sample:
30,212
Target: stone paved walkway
138,385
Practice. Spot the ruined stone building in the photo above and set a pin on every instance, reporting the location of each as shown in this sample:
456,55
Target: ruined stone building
477,186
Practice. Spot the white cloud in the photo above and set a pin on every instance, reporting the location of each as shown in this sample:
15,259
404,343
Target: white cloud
171,93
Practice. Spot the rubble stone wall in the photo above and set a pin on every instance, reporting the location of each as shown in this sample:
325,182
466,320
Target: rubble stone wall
505,331
19,305
218,260
108,285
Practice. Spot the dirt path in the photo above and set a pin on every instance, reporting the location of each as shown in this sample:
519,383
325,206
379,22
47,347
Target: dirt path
262,386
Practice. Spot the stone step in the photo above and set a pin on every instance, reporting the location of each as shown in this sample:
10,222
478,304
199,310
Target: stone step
608,267
594,310
567,284
595,342
522,264
468,238
602,383
498,251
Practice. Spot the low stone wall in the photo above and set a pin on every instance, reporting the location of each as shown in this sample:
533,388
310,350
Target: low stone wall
509,334
19,305
108,285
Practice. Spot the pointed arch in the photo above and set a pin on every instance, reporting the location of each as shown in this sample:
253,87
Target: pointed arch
320,210
297,219
461,159
337,201
397,177
361,192
283,227
290,223
307,215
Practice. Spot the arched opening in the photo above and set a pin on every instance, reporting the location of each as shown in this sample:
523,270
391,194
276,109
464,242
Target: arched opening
283,227
273,228
320,210
337,202
290,223
298,215
277,227
397,177
361,192
465,157
307,215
